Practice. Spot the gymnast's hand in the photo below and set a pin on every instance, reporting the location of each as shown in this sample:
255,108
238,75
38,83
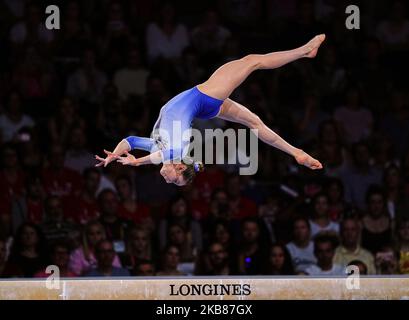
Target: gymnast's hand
305,159
109,158
128,159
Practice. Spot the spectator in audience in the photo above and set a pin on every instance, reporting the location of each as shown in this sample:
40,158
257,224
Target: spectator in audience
108,177
268,214
395,123
155,192
3,257
377,224
218,210
394,32
363,269
170,262
189,71
28,252
308,124
117,38
210,36
166,38
87,82
200,209
350,249
7,270
387,261
145,268
14,119
211,182
336,200
242,14
301,249
321,221
14,9
405,172
239,206
115,227
253,250
131,80
84,207
355,120
179,237
220,232
372,67
74,34
403,245
216,261
280,261
60,257
324,250
65,119
6,229
383,152
139,247
397,202
110,117
31,30
77,156
55,227
332,75
253,189
330,149
129,207
83,259
105,254
30,207
179,213
360,175
157,95
12,177
29,145
57,179
33,78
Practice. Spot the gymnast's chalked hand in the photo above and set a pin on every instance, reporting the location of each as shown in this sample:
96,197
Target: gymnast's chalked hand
128,159
105,161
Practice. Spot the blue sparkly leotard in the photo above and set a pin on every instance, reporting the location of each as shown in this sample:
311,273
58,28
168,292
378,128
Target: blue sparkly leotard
171,132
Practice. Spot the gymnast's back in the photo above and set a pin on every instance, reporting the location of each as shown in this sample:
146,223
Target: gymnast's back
186,106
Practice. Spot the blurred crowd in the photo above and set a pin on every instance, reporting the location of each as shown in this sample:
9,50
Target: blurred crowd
67,94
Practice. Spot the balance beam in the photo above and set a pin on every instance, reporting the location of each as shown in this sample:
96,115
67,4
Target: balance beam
208,288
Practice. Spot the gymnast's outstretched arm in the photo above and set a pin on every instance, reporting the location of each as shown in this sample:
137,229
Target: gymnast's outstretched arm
126,145
129,159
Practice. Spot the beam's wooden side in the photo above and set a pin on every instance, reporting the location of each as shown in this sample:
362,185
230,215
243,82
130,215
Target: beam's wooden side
160,289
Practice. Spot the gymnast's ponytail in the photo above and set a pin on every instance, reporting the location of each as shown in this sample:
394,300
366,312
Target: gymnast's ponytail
192,168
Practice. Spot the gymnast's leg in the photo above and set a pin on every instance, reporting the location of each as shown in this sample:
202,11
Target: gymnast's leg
235,112
230,75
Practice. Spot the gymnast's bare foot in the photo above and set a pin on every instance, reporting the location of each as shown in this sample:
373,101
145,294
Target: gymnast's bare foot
311,48
305,159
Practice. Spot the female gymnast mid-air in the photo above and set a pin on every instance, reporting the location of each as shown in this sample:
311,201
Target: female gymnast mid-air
204,101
